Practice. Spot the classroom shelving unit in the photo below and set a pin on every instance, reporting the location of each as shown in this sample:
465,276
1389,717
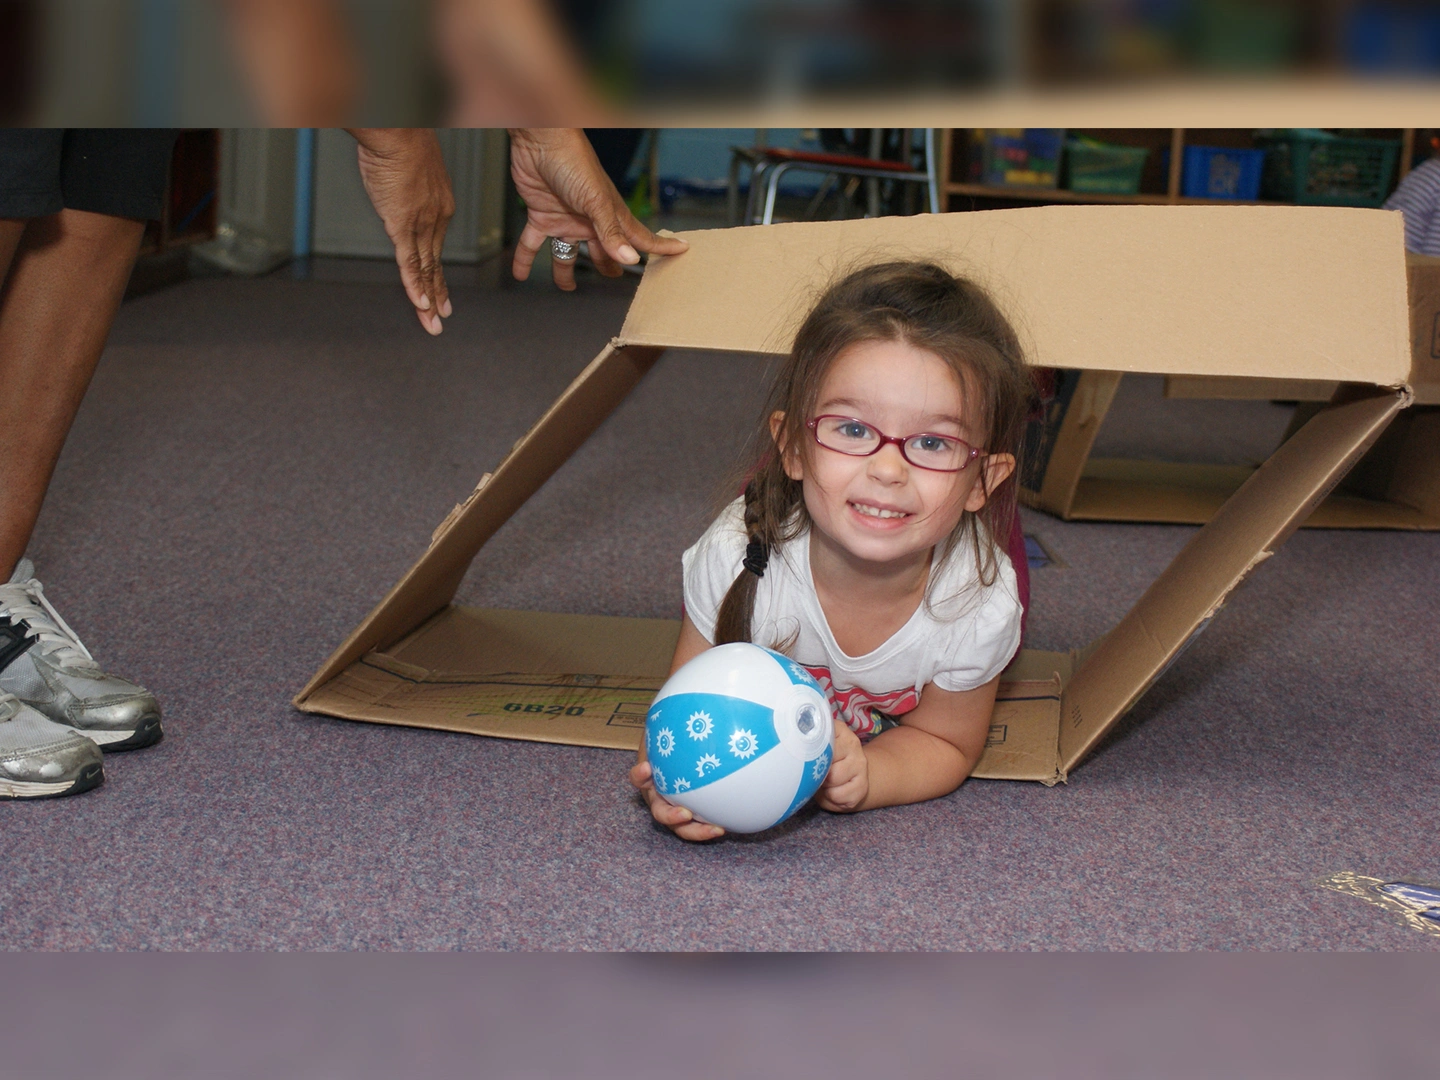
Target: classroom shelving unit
1159,185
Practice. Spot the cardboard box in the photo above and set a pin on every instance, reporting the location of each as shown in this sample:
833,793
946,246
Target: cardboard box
1280,292
1422,273
1396,485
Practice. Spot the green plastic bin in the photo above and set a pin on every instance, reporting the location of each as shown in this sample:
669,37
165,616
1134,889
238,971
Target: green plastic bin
1097,168
1320,169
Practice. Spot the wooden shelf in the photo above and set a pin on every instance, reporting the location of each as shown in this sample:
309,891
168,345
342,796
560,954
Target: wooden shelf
1062,195
1175,139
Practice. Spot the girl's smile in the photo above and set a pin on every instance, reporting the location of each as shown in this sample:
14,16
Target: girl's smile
880,513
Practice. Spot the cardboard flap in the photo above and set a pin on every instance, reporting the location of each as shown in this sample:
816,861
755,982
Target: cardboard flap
1274,291
1241,535
1415,477
1424,283
1220,388
430,584
469,642
1023,730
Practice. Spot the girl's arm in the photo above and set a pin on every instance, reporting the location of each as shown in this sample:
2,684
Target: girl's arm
930,754
676,818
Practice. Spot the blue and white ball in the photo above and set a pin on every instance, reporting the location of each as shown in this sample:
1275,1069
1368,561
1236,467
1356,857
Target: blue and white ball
741,736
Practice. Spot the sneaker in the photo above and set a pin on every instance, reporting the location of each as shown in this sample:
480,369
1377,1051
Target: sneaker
39,759
44,664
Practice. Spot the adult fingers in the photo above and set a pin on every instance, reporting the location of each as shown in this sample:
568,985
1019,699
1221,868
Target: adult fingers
612,221
563,272
432,277
440,293
645,240
623,236
525,250
413,277
606,265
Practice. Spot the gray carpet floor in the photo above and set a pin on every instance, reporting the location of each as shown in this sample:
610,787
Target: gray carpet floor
258,462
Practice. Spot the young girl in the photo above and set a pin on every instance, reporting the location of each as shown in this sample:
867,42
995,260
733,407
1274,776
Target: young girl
867,545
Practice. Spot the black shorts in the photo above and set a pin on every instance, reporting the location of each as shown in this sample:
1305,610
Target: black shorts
116,171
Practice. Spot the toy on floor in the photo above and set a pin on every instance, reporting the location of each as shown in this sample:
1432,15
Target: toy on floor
741,736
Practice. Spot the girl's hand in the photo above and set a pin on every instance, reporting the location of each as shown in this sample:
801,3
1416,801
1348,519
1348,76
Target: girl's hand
848,781
675,818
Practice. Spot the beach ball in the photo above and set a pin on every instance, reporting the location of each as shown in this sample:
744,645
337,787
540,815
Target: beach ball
741,736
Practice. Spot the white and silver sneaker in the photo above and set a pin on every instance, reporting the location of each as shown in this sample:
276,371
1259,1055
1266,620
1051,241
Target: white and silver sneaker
45,665
39,759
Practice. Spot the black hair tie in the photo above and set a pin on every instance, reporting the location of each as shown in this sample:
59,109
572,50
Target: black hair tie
756,556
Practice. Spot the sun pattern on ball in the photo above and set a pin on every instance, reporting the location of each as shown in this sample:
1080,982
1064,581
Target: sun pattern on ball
708,761
664,742
699,725
821,766
802,674
659,778
743,743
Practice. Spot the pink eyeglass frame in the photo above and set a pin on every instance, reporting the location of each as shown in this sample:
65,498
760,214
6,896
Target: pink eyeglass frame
885,440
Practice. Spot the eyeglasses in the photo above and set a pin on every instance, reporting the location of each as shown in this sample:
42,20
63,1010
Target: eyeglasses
847,435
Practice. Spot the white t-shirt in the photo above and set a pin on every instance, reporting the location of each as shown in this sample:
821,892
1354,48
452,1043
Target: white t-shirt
960,639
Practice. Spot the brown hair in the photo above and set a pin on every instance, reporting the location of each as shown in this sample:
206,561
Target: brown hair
921,304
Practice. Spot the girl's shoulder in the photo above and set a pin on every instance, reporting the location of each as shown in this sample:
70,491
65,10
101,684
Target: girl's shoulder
721,547
726,530
958,593
720,550
976,626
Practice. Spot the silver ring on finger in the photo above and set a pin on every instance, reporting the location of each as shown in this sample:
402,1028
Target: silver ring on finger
563,250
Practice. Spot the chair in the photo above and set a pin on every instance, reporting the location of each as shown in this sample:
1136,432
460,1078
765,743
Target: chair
768,165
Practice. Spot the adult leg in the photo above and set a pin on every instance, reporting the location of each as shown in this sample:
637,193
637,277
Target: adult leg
66,276
58,301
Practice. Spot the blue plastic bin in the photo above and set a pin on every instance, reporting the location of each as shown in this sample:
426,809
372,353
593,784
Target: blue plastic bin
1216,172
1023,157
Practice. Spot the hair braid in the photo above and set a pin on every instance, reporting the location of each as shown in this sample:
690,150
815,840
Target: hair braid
770,501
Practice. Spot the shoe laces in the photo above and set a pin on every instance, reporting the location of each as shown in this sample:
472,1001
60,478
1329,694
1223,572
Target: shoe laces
25,602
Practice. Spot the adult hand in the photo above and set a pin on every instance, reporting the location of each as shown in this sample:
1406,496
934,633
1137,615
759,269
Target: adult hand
848,781
675,818
404,175
568,196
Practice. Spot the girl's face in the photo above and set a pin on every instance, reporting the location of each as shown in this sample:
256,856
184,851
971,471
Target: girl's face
881,509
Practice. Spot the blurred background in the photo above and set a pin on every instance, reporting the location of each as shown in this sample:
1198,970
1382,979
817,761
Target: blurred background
512,62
